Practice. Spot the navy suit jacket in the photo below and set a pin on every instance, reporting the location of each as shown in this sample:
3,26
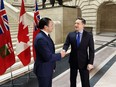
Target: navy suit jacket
80,56
45,55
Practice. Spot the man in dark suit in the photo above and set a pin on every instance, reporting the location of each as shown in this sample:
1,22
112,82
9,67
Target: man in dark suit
45,54
43,3
60,2
82,53
53,1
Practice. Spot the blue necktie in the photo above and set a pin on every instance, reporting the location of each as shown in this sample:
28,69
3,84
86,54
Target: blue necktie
78,39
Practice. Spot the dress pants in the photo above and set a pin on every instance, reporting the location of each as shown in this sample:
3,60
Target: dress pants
43,3
53,1
84,74
45,81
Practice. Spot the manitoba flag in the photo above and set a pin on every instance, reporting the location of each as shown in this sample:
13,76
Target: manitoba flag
23,47
36,30
7,57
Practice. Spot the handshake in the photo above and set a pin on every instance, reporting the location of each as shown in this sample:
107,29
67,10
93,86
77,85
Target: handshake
63,53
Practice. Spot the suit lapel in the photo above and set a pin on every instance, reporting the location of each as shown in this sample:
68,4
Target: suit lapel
44,34
49,40
74,38
52,43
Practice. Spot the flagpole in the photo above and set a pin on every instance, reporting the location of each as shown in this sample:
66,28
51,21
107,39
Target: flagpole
22,28
7,52
12,77
29,71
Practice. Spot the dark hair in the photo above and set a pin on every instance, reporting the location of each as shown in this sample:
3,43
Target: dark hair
44,21
83,20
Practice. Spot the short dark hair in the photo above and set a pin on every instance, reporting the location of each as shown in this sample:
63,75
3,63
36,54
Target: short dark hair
82,19
44,21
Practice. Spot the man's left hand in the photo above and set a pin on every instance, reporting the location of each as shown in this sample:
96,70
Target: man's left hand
90,67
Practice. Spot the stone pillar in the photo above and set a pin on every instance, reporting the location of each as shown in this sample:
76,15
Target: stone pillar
66,16
69,17
57,33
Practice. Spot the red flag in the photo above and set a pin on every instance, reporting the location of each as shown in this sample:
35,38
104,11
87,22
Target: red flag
7,57
36,30
23,47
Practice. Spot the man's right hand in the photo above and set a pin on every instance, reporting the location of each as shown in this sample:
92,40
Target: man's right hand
63,53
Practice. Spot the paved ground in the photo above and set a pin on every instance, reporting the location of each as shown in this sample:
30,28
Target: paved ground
102,58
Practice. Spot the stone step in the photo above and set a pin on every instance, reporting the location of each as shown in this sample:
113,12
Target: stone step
14,26
17,65
17,73
14,35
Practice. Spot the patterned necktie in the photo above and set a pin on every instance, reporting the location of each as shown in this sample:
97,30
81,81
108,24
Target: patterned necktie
78,39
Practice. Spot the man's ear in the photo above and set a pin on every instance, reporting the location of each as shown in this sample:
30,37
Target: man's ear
45,26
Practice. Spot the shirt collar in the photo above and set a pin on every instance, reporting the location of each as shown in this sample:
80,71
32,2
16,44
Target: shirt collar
80,31
45,32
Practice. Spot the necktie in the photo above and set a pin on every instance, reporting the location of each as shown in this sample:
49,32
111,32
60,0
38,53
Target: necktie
49,36
78,39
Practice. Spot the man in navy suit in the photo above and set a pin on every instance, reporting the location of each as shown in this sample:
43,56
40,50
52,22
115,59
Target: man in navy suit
82,53
45,54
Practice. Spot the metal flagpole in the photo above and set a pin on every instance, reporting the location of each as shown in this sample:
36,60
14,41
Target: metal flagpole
29,71
29,76
12,77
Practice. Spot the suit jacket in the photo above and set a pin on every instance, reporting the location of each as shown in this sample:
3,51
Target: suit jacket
45,55
80,56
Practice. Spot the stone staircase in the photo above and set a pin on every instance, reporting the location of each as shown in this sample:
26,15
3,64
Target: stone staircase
31,6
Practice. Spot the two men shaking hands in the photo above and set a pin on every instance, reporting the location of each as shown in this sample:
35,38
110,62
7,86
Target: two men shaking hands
81,56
